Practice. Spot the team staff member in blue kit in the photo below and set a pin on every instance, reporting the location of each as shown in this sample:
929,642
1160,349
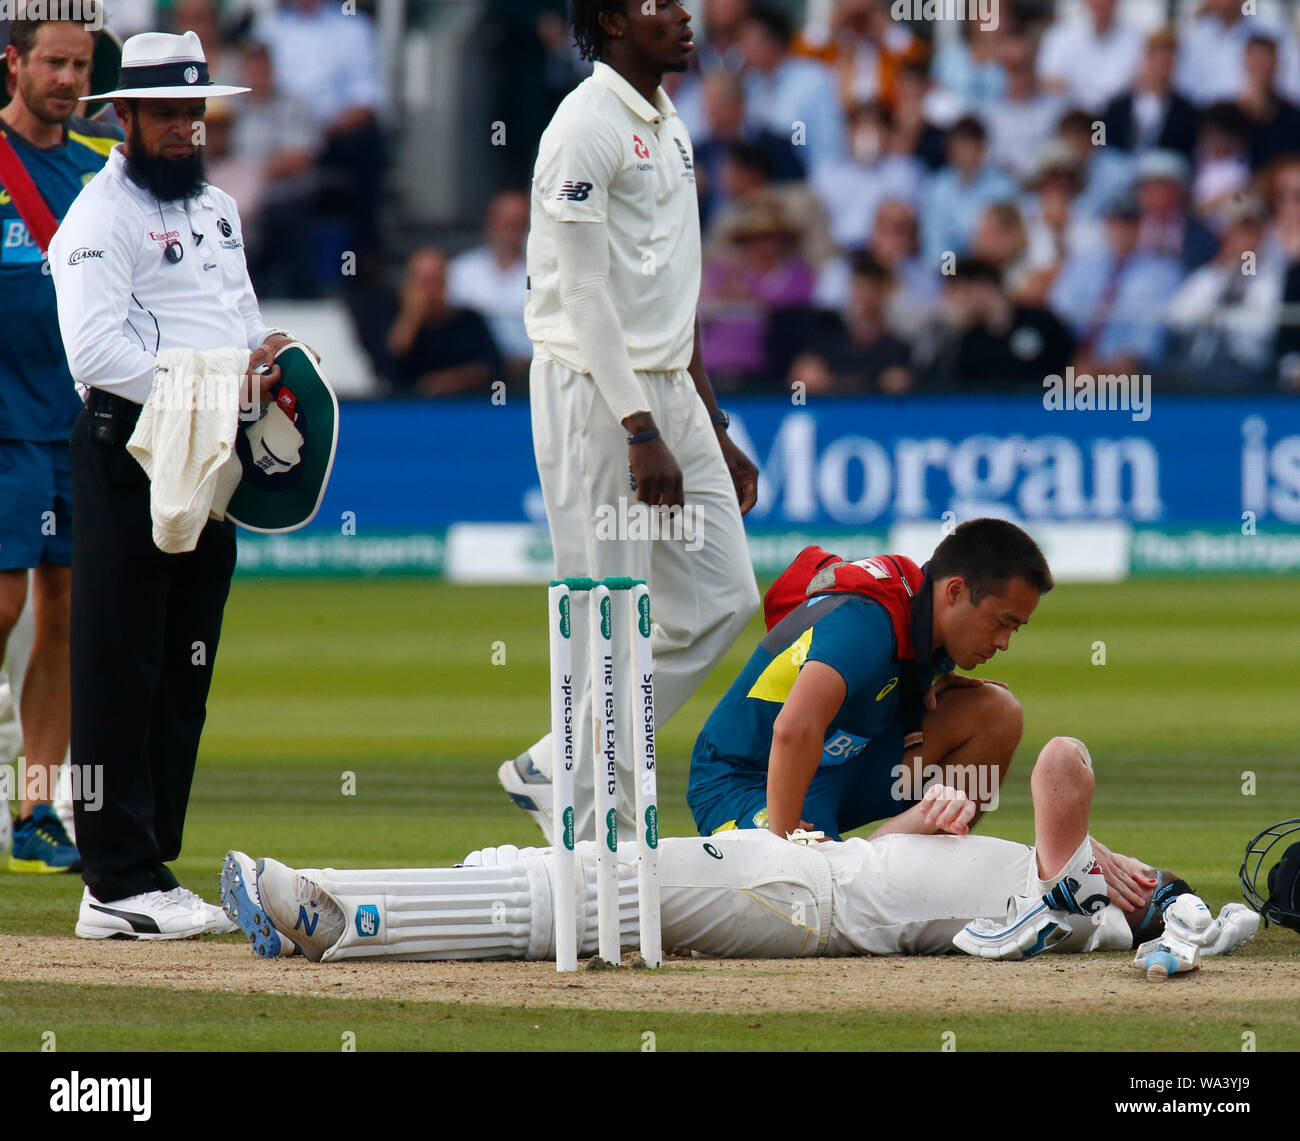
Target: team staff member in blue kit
59,152
851,684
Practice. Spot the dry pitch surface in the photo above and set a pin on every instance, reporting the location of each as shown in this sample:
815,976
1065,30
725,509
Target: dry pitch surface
1099,984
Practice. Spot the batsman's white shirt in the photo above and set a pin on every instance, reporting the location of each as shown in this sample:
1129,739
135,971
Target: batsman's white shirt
740,894
611,156
121,302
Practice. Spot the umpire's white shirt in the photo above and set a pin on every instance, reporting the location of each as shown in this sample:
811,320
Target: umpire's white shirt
610,156
121,302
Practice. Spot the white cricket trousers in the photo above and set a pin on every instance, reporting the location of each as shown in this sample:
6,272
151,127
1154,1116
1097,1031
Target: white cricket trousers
701,580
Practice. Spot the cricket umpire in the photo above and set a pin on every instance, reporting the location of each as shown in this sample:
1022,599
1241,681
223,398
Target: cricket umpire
149,258
623,413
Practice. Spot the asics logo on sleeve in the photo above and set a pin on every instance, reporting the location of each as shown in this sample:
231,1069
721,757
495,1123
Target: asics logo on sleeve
575,191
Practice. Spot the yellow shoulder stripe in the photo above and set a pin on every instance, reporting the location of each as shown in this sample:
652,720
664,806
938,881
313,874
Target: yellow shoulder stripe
776,681
98,145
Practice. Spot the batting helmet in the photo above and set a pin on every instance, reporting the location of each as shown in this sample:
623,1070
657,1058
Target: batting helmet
1282,904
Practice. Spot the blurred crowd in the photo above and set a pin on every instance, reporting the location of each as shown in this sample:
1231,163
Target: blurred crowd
885,206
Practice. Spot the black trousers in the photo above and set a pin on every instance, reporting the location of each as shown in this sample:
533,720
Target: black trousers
145,627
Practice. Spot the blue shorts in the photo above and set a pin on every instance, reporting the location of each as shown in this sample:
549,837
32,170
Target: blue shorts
840,798
35,504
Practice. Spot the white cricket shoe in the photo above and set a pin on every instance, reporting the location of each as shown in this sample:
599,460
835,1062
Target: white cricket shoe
242,904
1030,928
294,902
150,915
217,923
530,789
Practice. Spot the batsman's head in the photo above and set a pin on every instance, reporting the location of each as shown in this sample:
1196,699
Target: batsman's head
988,576
643,34
50,63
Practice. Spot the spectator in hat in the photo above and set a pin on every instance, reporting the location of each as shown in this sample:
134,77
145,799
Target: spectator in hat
747,177
759,269
991,341
954,196
1152,113
1225,319
1166,227
1109,296
1274,121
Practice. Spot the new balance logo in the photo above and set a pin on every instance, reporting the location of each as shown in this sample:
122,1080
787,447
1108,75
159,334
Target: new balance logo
575,191
368,920
306,924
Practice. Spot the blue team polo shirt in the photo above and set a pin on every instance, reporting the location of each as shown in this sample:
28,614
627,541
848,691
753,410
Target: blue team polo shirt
851,634
37,397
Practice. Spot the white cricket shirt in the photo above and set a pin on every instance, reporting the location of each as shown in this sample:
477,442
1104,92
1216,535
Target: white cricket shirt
121,302
610,156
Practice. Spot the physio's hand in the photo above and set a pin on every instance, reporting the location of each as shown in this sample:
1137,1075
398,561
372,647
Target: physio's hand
1127,883
947,809
743,472
954,681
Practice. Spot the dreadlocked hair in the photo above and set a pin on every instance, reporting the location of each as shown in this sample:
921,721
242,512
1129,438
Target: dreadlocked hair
587,32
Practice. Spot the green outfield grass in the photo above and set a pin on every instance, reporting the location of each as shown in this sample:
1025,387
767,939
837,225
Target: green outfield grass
393,682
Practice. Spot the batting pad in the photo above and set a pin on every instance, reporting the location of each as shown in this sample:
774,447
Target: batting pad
501,912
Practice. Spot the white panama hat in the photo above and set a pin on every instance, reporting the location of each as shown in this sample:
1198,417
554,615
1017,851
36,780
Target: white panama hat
158,65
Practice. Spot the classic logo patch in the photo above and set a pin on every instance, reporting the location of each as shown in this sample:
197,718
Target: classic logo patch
83,254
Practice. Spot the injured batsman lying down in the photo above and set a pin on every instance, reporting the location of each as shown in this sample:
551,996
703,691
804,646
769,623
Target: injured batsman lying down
752,894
